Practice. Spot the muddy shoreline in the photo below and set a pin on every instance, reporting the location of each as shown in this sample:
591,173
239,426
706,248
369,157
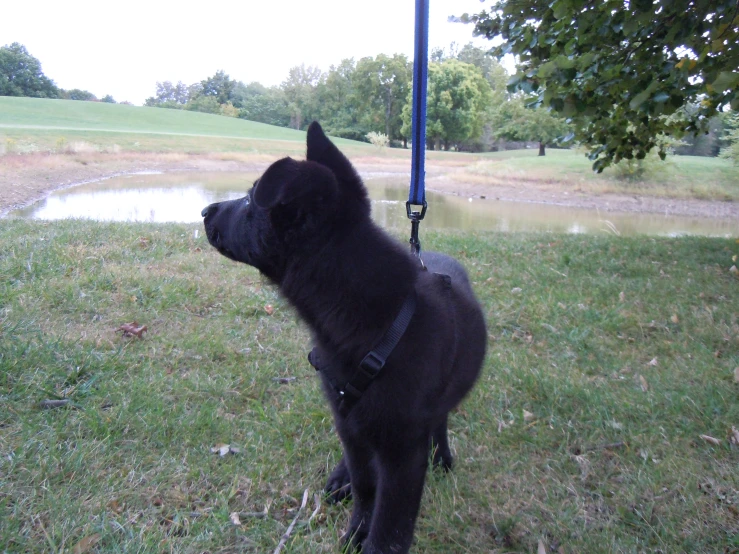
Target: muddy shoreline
28,179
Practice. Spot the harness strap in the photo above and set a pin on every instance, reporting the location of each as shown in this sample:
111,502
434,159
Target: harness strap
374,361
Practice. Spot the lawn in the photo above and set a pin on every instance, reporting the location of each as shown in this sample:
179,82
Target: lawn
679,176
602,421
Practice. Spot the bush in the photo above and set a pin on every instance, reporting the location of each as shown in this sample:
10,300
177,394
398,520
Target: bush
380,140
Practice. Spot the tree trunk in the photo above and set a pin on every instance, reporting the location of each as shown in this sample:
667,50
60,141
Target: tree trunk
388,111
405,142
542,146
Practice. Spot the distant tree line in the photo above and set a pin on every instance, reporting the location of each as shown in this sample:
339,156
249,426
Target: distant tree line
21,75
468,105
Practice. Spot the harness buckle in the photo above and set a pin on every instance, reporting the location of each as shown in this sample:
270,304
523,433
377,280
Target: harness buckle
372,364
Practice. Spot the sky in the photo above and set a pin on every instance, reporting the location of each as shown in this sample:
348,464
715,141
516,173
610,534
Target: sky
124,48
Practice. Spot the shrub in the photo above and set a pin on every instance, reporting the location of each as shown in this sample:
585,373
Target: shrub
380,140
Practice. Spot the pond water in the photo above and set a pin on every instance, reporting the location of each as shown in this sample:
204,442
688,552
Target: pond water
179,197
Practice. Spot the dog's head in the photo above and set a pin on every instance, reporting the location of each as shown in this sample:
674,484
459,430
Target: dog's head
291,209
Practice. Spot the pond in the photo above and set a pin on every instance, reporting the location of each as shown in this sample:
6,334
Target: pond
179,197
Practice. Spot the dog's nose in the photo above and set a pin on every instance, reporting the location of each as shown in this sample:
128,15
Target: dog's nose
208,210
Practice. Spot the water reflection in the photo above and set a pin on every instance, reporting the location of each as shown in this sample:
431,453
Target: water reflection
179,197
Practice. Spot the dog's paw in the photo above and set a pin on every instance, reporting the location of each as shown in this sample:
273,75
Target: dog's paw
444,461
339,485
352,541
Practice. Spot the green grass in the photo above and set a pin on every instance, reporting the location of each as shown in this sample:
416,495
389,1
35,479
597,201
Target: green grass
679,176
99,117
602,465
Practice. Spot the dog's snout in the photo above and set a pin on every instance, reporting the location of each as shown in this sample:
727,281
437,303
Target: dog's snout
208,210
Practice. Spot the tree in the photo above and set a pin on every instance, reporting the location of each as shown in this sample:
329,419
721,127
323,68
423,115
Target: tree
78,94
731,151
169,95
205,104
619,67
21,75
259,103
299,88
108,99
220,86
340,105
512,120
383,84
491,69
457,97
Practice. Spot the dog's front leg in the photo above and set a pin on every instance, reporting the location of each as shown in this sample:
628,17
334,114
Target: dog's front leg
359,460
400,486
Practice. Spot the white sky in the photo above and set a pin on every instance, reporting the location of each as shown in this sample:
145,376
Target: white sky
124,48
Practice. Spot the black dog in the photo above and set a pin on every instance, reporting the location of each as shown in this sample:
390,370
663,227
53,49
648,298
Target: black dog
397,344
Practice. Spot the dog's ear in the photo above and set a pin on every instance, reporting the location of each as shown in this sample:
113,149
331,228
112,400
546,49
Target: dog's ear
287,180
324,152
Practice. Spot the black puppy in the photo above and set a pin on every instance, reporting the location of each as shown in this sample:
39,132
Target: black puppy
397,345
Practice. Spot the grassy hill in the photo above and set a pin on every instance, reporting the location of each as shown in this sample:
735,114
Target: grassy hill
45,114
35,124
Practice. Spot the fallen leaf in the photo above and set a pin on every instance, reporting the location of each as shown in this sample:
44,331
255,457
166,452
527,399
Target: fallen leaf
643,383
736,374
733,270
527,416
622,296
734,435
542,549
711,439
86,544
516,290
115,506
675,319
269,309
235,518
653,363
133,328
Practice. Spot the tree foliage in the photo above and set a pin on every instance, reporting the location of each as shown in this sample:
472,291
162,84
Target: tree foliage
220,86
513,121
169,95
78,94
382,85
262,104
619,67
457,98
21,75
299,88
731,150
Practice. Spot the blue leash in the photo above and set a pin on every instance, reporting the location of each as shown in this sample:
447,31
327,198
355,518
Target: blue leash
417,195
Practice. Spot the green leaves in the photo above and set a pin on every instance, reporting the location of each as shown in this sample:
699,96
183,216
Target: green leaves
21,75
623,69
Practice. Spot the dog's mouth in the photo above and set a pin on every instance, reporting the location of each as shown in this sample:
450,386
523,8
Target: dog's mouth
215,239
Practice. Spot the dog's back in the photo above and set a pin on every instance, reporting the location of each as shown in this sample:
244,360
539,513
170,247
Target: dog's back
465,315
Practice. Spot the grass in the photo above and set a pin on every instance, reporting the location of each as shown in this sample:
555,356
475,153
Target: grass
608,358
678,177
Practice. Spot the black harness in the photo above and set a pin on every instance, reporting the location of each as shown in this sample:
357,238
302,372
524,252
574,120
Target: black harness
369,368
